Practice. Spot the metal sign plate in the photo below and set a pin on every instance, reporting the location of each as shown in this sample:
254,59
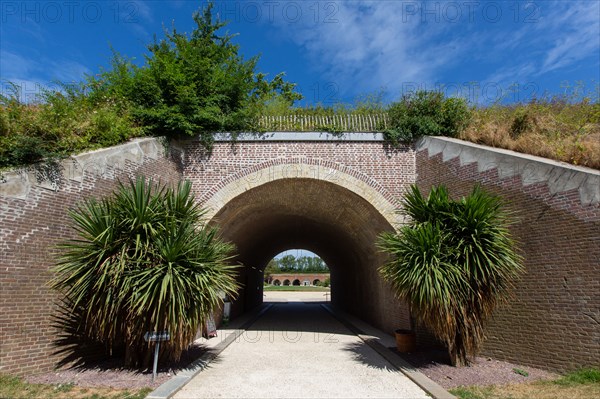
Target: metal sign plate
157,336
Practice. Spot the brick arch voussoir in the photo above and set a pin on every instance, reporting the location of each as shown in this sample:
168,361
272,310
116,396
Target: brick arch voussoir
272,170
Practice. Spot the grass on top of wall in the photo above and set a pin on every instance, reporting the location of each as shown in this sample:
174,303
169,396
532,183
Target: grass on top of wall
563,128
554,128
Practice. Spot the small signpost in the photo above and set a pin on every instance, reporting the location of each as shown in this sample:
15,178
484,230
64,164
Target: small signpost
158,337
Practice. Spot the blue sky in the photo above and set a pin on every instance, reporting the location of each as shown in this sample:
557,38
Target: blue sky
296,253
334,50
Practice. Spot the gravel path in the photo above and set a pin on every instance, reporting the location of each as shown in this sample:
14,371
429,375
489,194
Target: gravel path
298,350
434,364
110,373
483,371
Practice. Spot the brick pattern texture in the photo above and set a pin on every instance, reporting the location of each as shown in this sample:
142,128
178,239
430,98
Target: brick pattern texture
553,321
388,170
31,229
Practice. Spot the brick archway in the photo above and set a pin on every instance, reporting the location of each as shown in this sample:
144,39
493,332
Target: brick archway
317,192
273,211
237,183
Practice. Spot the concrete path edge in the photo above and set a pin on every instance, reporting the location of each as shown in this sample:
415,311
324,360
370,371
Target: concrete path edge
172,386
427,384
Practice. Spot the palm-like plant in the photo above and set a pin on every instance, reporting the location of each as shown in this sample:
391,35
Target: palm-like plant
143,261
454,263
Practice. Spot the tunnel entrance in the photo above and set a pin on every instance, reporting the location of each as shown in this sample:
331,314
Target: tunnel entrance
335,223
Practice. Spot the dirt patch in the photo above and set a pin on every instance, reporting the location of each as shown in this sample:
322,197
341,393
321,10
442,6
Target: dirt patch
110,373
435,364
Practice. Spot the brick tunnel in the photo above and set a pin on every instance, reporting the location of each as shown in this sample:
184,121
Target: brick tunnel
332,196
333,222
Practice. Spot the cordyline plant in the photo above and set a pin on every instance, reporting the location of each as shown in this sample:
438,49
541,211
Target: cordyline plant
454,263
143,260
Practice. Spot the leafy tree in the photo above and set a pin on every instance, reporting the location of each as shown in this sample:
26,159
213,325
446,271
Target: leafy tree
454,263
302,264
312,264
427,113
196,84
142,261
271,267
287,263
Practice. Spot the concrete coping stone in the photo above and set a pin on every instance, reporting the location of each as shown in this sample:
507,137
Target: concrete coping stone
379,341
17,183
178,381
558,176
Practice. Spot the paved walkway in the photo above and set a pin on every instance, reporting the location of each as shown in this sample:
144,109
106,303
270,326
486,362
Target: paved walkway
298,350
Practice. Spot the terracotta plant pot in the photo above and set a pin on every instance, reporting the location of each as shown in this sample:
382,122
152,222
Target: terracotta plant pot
406,341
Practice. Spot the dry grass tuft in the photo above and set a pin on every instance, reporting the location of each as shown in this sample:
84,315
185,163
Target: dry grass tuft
16,388
546,390
532,390
568,132
581,384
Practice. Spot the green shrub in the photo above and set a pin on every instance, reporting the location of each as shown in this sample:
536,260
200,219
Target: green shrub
21,149
426,113
454,263
108,128
143,261
190,85
60,124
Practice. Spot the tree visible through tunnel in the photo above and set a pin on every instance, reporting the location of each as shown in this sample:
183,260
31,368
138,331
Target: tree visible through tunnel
303,267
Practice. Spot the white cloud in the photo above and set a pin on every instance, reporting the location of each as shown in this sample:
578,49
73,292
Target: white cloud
371,46
143,9
67,71
574,32
13,65
31,73
565,35
380,44
135,15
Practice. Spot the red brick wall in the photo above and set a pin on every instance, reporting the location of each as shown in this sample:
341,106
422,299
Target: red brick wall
553,320
30,229
33,225
302,277
390,171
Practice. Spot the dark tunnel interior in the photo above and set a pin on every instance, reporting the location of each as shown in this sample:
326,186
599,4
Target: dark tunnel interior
336,224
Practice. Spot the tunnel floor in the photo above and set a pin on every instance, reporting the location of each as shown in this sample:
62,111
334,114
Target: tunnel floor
298,350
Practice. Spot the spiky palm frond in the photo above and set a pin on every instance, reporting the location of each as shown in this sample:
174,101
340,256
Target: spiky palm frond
143,261
454,264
